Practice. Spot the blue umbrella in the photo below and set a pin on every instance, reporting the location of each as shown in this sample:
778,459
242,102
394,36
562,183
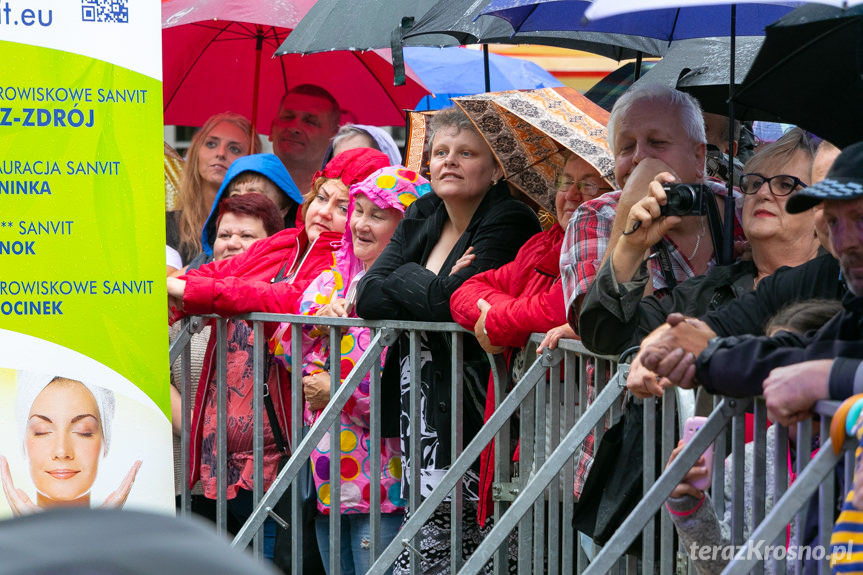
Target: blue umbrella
452,72
668,24
681,19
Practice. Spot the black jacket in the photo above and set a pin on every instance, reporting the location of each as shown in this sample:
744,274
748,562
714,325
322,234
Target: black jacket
817,278
617,316
737,366
399,287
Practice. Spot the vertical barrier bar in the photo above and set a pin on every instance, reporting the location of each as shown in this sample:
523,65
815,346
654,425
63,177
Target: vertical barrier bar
780,482
526,460
502,459
720,445
667,532
804,438
414,436
541,430
457,431
221,426
571,389
296,521
186,403
648,549
335,364
375,458
738,500
554,419
259,382
583,400
759,467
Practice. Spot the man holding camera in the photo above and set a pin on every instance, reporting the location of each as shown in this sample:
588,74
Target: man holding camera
657,136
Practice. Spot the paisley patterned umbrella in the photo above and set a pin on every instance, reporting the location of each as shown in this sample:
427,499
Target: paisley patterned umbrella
528,129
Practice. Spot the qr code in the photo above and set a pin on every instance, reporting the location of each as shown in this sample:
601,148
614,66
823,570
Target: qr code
116,11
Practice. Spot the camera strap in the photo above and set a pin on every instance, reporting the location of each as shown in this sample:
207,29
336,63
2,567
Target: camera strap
715,224
665,264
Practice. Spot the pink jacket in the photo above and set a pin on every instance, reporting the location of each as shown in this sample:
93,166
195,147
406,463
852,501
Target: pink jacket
355,429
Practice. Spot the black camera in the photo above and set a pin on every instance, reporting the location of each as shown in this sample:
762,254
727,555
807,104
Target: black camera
685,200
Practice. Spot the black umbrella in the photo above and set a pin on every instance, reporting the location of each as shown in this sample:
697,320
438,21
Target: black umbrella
462,20
351,25
810,73
612,86
701,67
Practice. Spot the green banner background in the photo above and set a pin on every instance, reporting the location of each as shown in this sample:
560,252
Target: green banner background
117,218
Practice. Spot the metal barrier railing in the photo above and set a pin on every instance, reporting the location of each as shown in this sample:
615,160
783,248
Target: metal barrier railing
533,499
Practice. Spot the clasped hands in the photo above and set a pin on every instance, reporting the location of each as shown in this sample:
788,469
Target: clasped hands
668,355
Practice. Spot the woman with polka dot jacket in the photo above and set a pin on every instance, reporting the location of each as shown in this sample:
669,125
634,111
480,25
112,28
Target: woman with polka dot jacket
377,205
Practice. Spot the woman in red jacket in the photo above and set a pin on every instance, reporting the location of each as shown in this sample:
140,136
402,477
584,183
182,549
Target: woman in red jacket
504,306
269,277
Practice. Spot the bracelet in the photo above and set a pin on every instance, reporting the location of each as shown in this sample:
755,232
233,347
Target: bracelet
685,513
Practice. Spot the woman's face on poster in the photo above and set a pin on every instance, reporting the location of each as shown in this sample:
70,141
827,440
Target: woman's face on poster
64,441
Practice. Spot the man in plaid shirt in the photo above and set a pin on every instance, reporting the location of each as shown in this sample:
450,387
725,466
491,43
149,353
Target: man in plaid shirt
657,136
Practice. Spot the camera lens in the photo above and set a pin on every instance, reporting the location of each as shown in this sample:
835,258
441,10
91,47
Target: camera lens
681,199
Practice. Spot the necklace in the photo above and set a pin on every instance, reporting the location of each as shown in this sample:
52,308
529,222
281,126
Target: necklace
698,240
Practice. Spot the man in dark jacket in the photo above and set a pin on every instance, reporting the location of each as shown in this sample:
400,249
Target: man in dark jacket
792,372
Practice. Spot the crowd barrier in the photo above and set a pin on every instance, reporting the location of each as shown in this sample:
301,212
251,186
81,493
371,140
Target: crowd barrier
533,497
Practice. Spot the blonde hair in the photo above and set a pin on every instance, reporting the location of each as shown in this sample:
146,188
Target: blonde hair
190,199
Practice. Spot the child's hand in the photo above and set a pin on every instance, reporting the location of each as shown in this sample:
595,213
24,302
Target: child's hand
698,471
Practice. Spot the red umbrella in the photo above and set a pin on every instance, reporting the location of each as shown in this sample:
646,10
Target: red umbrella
217,58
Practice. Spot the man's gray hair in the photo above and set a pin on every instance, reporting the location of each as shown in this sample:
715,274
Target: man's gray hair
687,106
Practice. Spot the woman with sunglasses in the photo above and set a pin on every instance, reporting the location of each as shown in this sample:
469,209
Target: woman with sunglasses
615,315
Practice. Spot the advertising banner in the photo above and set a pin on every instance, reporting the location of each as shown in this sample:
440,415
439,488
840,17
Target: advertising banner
84,402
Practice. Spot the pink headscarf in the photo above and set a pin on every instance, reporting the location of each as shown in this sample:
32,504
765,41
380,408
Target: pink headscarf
391,187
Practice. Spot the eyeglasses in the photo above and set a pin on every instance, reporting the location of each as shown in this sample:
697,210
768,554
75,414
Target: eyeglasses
585,187
780,185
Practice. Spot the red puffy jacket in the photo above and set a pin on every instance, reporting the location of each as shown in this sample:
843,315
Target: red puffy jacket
526,295
242,284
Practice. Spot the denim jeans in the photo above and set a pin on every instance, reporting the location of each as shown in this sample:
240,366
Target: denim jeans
355,543
241,508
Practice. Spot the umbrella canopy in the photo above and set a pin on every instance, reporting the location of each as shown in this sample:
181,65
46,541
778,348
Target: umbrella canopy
669,24
283,13
217,65
810,73
606,8
612,86
464,22
449,72
528,129
356,25
701,67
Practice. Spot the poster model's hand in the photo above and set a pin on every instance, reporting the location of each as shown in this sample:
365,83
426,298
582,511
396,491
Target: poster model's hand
118,498
19,502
